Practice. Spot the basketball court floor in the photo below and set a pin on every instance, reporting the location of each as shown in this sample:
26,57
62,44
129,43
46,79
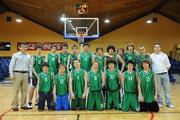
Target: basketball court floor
164,113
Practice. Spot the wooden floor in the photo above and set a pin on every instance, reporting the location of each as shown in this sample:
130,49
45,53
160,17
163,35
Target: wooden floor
164,114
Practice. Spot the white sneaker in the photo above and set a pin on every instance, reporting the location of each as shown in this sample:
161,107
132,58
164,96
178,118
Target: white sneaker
29,106
160,105
170,106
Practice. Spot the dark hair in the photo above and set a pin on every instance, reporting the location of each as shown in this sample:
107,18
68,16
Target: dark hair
157,43
45,64
23,43
111,61
86,44
146,61
111,47
65,45
131,62
120,49
60,65
76,59
99,48
53,46
74,46
130,44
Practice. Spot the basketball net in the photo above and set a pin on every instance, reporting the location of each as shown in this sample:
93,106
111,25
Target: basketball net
80,37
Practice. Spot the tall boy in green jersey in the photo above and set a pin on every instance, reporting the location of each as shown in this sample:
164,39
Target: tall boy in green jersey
86,57
101,59
113,85
111,54
53,59
63,57
96,81
130,54
78,86
143,55
37,68
147,87
45,88
61,88
72,57
129,85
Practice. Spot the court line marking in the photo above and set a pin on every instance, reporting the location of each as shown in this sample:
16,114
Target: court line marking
89,113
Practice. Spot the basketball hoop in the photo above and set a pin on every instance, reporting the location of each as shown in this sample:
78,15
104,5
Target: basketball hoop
80,36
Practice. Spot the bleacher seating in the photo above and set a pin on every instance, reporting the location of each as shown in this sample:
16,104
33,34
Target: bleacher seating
4,68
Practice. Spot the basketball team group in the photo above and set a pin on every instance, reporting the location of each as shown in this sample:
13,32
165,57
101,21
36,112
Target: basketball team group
127,80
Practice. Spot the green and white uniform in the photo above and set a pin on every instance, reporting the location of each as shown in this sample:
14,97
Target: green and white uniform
46,82
53,63
147,85
113,86
95,97
64,58
78,84
86,60
37,63
140,58
101,61
61,82
72,58
130,56
130,99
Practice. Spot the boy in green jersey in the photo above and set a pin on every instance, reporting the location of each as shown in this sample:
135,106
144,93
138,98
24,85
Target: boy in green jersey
113,85
96,81
45,88
78,86
101,59
143,55
37,61
129,85
86,58
63,57
53,60
130,54
147,87
72,57
61,88
111,54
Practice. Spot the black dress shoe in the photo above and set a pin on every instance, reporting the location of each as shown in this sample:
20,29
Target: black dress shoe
15,109
24,108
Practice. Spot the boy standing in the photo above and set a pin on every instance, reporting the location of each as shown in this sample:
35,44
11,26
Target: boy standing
78,86
45,88
129,84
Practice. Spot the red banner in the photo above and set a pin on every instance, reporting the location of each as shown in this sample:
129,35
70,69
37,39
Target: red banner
45,45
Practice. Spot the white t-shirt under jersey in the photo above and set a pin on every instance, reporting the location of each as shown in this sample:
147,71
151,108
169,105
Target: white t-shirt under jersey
160,62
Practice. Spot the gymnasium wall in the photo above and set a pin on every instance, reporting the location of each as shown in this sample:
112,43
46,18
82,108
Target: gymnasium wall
165,31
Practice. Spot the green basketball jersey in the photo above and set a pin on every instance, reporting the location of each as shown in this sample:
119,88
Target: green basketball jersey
61,82
147,85
86,60
140,58
95,80
112,80
37,63
130,83
72,58
130,56
101,61
78,82
64,58
45,82
53,63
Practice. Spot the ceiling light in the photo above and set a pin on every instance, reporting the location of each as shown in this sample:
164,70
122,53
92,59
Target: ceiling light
63,18
106,20
18,19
